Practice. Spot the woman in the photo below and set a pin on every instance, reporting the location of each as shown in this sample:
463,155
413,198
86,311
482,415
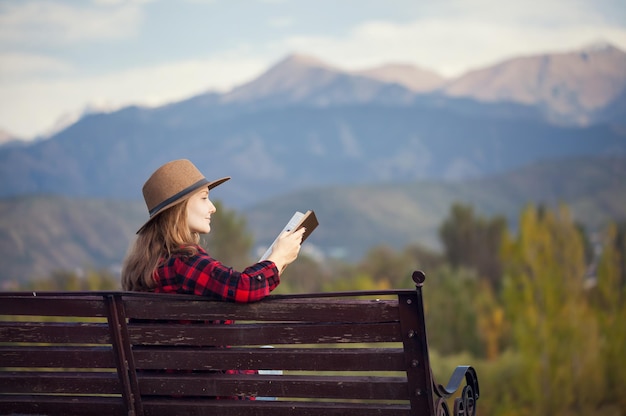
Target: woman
166,257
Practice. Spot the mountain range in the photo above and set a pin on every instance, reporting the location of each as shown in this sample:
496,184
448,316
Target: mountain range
310,129
304,123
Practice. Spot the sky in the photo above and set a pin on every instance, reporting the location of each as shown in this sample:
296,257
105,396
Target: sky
60,58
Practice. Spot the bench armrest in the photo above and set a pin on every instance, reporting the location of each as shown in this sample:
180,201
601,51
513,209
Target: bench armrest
466,403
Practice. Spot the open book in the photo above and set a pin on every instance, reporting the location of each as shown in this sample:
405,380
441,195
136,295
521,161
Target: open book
308,220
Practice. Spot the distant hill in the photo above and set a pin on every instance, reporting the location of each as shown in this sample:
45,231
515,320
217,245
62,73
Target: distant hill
356,217
42,234
45,233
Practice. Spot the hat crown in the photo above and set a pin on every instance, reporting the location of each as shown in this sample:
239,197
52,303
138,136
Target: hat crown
168,181
171,184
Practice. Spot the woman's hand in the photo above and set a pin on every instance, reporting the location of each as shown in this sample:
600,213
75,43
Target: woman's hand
286,248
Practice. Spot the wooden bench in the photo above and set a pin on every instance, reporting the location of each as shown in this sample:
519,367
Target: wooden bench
103,353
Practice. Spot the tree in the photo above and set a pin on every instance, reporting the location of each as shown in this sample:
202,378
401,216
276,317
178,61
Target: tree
384,264
553,327
473,241
229,240
63,280
450,311
492,327
423,258
608,298
301,276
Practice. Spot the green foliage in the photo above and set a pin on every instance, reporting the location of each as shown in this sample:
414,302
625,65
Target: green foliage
386,267
492,327
66,281
305,275
553,328
382,268
229,240
620,245
451,315
608,300
423,258
473,241
495,378
557,347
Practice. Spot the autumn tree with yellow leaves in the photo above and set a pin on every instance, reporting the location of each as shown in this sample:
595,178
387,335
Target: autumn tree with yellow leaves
553,327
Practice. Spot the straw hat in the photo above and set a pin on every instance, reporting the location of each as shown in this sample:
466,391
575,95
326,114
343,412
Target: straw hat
171,184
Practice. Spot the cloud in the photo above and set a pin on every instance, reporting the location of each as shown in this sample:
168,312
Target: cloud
453,45
547,12
31,107
46,23
16,65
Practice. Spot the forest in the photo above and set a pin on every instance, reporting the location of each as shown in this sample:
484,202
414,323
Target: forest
538,310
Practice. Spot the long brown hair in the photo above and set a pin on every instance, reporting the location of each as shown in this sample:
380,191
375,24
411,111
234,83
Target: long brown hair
165,235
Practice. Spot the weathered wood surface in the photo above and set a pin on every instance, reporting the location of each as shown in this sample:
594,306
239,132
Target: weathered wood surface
122,353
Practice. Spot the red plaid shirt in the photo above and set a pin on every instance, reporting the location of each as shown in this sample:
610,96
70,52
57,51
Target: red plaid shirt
204,276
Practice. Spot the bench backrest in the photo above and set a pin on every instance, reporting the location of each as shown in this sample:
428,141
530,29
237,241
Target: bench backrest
361,353
58,353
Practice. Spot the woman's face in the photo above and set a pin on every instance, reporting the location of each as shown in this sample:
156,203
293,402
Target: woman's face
199,210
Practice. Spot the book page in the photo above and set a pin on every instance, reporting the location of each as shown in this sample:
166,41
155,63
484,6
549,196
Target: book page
295,219
308,220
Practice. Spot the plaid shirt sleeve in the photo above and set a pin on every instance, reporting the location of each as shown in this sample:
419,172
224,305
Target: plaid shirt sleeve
202,275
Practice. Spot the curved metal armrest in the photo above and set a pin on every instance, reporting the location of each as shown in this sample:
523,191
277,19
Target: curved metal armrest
461,372
465,405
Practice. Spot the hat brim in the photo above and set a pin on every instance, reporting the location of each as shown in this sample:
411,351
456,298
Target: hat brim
217,182
182,196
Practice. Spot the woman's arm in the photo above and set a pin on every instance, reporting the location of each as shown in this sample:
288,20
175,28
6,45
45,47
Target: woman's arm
202,275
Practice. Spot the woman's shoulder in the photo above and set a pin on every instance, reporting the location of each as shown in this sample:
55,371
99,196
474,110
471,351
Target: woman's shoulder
188,250
191,253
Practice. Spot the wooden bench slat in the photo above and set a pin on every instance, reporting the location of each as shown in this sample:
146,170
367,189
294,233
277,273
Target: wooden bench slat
94,353
59,382
332,387
320,359
61,405
57,357
54,332
88,306
183,407
266,334
322,310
